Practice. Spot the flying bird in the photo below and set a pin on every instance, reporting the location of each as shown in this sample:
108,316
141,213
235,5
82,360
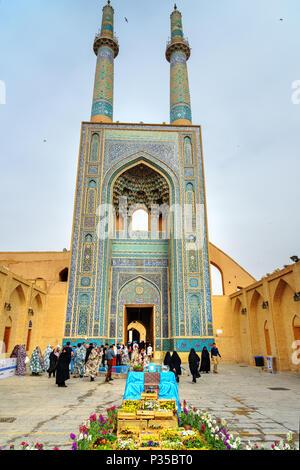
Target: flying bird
126,20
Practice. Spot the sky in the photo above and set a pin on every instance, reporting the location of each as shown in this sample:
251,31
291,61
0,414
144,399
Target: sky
243,65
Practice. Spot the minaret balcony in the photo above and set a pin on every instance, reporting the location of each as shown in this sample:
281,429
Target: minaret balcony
102,40
182,45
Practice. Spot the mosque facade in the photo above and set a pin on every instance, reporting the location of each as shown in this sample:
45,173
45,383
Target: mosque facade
151,284
120,282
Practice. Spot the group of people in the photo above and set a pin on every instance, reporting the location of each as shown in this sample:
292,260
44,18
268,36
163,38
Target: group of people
196,364
82,360
130,354
85,360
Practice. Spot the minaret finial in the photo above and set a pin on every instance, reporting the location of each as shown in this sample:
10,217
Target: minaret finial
175,7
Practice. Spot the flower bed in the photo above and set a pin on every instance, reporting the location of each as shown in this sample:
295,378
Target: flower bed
198,431
217,436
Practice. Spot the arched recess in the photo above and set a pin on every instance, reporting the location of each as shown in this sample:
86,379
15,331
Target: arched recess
105,229
164,172
34,322
139,293
283,312
217,280
140,188
6,336
138,327
17,301
238,331
255,333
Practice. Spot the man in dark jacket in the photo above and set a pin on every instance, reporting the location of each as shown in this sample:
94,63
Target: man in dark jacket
109,357
214,357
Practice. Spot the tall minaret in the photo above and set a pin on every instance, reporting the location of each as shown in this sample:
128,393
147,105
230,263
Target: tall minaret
106,48
177,53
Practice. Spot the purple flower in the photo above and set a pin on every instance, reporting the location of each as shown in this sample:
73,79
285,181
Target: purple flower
72,436
229,447
74,446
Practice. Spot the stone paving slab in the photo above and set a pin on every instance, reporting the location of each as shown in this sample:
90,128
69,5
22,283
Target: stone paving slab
241,395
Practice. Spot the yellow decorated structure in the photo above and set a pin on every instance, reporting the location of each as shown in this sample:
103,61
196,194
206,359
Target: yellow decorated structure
51,297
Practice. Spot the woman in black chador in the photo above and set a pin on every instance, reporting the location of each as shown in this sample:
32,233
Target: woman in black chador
53,362
205,361
194,360
167,359
62,369
175,364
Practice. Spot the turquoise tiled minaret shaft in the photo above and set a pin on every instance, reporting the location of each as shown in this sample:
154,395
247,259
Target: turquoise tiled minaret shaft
177,53
106,49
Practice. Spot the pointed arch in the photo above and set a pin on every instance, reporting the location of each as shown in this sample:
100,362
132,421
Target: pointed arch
106,229
139,277
37,302
283,306
237,306
255,334
138,326
139,293
18,294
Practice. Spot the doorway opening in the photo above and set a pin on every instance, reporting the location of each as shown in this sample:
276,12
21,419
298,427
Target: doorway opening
139,324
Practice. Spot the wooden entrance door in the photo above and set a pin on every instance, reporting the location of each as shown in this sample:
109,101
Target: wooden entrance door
6,337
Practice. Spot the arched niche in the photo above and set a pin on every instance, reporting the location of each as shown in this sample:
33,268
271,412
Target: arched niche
188,151
284,310
7,343
139,293
255,318
94,150
140,198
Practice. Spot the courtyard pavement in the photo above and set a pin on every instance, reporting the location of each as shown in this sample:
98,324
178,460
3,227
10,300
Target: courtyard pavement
257,405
